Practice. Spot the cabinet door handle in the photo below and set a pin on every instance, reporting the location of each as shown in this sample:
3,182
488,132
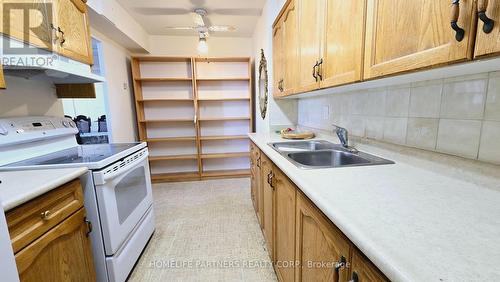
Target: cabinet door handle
320,69
258,162
482,6
455,15
55,33
270,178
63,40
314,71
339,265
89,226
354,277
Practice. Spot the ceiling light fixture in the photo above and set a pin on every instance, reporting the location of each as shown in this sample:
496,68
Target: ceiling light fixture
202,45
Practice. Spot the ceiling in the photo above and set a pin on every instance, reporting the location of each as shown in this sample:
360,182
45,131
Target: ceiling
156,15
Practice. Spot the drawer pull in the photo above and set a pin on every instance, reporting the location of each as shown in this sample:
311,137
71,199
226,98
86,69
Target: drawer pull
455,15
488,23
45,215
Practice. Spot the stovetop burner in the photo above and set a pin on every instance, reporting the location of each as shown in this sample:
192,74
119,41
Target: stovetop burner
84,154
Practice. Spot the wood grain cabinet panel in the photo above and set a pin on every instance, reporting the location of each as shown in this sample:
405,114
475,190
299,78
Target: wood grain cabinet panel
320,246
278,60
255,180
290,49
30,220
363,270
62,254
487,39
409,35
310,13
268,198
41,17
284,241
3,85
75,42
343,42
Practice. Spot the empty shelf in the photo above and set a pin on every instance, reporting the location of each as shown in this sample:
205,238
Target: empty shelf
171,158
225,155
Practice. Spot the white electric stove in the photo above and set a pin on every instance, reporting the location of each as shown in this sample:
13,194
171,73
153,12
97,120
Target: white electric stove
118,194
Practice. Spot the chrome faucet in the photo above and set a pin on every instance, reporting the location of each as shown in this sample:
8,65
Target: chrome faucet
343,136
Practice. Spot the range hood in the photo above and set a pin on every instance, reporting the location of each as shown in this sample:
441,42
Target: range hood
42,64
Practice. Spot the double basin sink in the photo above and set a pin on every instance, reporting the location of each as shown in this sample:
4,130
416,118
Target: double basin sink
323,154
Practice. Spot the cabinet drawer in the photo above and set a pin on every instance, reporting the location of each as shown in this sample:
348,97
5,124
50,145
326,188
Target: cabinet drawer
32,219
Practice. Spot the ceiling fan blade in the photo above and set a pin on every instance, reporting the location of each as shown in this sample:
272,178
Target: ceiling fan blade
161,11
237,12
217,28
181,27
198,19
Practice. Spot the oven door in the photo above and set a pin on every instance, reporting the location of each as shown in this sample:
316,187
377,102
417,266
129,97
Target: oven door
123,195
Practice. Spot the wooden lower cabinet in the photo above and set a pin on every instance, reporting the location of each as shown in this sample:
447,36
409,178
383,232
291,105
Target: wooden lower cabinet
363,270
62,254
255,179
284,229
50,237
321,249
304,245
268,203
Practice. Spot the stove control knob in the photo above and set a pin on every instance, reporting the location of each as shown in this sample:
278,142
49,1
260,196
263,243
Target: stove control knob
3,131
65,123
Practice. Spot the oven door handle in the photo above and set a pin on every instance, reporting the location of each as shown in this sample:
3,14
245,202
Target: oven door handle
101,177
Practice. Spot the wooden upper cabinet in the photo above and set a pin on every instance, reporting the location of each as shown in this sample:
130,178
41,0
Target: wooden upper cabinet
343,42
320,246
284,253
290,46
488,33
363,270
278,54
75,40
310,40
267,175
409,35
41,18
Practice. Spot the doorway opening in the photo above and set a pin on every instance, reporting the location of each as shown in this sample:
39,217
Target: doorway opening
92,115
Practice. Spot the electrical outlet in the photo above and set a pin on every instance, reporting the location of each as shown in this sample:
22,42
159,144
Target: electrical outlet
326,112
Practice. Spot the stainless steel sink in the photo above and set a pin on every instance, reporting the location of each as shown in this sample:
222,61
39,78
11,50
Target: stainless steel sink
299,146
323,154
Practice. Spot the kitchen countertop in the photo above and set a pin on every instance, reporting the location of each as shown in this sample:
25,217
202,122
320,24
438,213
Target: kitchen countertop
414,222
18,187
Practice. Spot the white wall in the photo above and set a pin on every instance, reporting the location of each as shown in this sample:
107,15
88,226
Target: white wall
281,113
121,112
29,97
111,16
187,46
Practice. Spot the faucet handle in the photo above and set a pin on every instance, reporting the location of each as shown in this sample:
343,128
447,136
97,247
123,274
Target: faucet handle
343,135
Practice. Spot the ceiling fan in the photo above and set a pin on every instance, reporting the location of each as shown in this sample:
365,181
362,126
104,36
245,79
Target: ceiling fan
201,27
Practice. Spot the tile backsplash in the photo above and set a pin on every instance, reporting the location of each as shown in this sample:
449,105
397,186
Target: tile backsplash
458,116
